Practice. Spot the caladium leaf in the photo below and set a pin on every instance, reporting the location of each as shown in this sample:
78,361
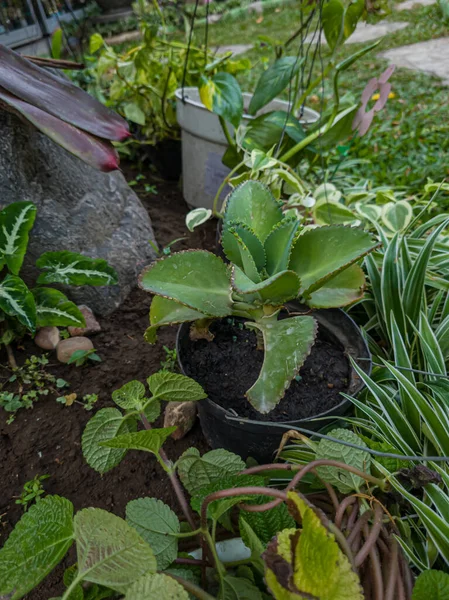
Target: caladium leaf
58,97
168,312
233,249
277,289
195,278
16,300
343,289
72,268
16,220
222,95
94,151
287,344
273,81
278,245
54,309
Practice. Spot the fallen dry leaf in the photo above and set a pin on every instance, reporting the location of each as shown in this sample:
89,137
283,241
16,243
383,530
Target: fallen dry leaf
259,20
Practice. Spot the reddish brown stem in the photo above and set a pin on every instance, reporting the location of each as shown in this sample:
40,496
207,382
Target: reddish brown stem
372,538
345,504
377,587
359,525
392,572
191,561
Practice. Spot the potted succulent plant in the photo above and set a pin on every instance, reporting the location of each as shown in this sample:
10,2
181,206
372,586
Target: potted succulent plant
257,319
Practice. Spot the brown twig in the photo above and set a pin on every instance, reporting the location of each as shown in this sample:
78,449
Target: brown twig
372,538
11,357
55,63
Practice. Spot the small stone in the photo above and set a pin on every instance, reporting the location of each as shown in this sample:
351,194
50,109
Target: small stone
181,415
92,325
47,338
67,347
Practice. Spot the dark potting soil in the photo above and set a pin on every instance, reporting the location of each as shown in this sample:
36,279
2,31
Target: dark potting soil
47,438
229,365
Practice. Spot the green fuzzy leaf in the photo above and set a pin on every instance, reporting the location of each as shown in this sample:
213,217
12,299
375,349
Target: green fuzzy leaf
253,205
16,220
54,309
277,289
344,481
273,81
160,586
431,585
267,524
397,215
278,245
251,541
195,278
236,232
17,301
327,212
72,268
237,588
287,344
343,289
130,396
95,43
167,312
173,387
153,411
150,440
37,544
320,254
110,552
222,95
106,424
158,526
198,471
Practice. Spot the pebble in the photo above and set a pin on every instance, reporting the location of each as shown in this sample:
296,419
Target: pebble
47,338
181,415
67,347
92,325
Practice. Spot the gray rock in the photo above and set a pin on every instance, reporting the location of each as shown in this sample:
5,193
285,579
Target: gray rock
92,325
181,415
67,347
79,209
47,338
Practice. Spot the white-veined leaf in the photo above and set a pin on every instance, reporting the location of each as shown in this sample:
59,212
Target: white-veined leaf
54,309
72,268
17,301
16,220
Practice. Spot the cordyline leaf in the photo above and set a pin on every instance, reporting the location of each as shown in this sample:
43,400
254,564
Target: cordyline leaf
92,150
168,312
58,97
150,440
277,289
174,387
110,552
16,220
287,344
17,301
195,278
54,309
158,586
37,544
72,268
343,289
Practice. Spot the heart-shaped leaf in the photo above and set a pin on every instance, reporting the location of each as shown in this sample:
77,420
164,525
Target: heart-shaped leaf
174,387
273,81
54,309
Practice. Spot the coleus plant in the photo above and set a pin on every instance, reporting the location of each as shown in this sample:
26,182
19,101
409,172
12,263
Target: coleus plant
23,309
293,550
273,259
60,110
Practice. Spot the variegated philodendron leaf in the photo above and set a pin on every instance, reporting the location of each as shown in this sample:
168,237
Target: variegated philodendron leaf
16,220
71,268
222,95
17,301
54,309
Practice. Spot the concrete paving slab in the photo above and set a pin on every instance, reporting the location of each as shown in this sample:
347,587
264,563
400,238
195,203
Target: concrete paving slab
234,48
410,4
430,57
366,32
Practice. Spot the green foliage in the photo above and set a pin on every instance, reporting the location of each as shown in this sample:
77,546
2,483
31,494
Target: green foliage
71,268
156,586
273,81
81,357
148,441
33,491
431,584
264,525
173,387
222,95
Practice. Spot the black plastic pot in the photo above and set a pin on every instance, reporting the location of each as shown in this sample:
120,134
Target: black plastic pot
262,440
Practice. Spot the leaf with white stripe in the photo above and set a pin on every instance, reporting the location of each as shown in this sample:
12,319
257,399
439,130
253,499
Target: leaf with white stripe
72,268
16,220
54,309
16,300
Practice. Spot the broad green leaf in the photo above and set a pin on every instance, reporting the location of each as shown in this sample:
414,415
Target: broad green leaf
130,396
327,212
340,129
267,524
197,217
320,254
158,526
106,424
17,301
54,309
16,220
287,344
233,249
332,19
72,268
167,312
273,81
343,480
150,440
238,588
37,544
56,43
95,43
158,586
264,132
222,95
252,542
397,216
134,113
278,245
110,552
431,585
195,278
252,204
173,387
343,289
198,471
276,290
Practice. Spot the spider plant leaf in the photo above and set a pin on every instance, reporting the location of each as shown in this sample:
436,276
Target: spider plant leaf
392,286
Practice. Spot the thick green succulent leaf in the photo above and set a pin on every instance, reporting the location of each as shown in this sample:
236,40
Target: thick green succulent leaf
195,278
197,471
431,584
237,248
58,96
168,312
252,204
273,81
236,235
16,221
287,344
239,588
174,387
346,287
110,552
37,544
71,268
278,245
158,526
320,254
150,440
344,481
277,289
17,301
106,424
158,586
222,95
54,309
